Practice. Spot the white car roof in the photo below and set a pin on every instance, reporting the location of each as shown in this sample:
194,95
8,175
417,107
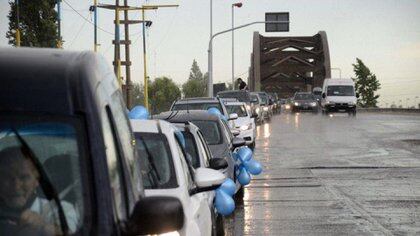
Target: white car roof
339,82
151,126
235,103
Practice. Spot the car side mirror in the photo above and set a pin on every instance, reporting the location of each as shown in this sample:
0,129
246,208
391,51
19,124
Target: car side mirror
218,163
156,215
235,132
207,179
233,116
323,95
238,142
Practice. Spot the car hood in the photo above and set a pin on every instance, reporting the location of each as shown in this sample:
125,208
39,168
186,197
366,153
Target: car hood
242,121
304,101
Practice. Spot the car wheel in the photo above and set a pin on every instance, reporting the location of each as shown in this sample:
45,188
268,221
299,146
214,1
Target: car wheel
217,228
252,145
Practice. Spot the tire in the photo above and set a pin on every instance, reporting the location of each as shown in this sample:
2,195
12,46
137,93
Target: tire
252,145
217,228
239,196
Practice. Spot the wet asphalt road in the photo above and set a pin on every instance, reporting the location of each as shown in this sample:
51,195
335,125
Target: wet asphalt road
334,176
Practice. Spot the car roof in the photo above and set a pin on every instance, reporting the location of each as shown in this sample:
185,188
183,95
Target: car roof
51,81
233,91
303,93
151,126
235,103
185,116
197,100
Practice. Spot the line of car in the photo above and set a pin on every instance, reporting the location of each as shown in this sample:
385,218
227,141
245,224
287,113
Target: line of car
101,173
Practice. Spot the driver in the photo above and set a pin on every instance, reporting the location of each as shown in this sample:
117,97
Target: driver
22,212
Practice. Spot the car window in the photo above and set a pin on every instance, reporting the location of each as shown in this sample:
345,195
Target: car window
204,149
185,165
58,148
342,90
157,168
210,130
127,140
304,96
227,132
238,109
197,106
115,170
191,148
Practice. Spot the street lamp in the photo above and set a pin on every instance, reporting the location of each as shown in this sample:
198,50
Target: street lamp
238,5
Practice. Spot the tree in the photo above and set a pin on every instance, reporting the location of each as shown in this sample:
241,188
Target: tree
195,72
196,86
37,23
162,93
138,94
366,85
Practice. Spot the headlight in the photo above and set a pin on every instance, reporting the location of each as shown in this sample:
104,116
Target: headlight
296,104
287,106
265,108
246,127
257,110
313,104
248,107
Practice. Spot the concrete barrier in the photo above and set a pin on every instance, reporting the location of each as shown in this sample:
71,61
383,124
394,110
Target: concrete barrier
389,110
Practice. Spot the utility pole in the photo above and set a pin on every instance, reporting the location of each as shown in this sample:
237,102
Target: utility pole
59,43
95,23
17,24
127,87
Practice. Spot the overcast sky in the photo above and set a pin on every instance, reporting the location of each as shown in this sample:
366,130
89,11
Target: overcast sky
385,34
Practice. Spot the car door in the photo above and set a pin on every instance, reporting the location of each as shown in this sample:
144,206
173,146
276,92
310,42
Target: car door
198,203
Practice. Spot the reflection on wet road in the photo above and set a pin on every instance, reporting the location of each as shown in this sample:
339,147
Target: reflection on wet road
334,176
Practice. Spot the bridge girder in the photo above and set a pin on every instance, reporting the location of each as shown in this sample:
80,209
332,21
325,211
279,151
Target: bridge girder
289,64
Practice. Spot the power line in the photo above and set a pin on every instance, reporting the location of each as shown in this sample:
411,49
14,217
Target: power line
86,19
78,33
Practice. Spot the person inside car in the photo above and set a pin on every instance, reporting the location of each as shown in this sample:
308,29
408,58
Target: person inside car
22,210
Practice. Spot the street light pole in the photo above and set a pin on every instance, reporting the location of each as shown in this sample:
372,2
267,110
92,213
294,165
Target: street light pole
210,50
233,42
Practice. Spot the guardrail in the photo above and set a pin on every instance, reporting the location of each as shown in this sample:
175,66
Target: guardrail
389,110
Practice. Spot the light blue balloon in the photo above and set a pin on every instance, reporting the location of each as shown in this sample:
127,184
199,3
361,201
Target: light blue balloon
254,167
228,187
243,177
245,154
224,203
138,113
235,156
181,138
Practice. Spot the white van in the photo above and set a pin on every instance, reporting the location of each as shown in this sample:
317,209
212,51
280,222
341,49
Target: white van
338,95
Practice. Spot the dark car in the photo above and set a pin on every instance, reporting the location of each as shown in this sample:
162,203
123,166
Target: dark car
304,101
64,133
215,131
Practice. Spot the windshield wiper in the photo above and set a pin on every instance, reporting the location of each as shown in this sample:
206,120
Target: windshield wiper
46,185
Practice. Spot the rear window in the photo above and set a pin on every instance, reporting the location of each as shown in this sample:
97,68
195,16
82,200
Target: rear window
238,109
304,96
210,131
241,96
197,106
156,161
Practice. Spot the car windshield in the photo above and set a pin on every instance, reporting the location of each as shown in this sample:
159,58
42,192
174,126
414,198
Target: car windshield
264,98
191,148
340,90
242,96
304,96
197,106
238,109
156,161
50,151
254,99
210,130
